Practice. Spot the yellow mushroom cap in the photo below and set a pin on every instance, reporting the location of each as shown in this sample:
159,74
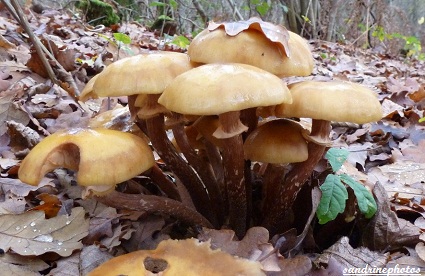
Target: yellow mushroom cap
218,88
180,257
332,101
254,48
88,90
141,74
101,156
277,141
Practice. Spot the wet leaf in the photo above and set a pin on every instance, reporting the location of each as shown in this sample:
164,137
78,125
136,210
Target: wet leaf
31,234
274,33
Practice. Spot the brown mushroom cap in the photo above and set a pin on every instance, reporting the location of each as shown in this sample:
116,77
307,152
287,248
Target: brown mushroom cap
254,48
142,74
277,141
332,101
218,88
101,156
180,257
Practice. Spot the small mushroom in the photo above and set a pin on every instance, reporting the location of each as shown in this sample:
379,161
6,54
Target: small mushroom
225,90
323,102
276,143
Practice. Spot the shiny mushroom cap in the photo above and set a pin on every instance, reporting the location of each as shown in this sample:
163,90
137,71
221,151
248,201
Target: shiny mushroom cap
332,101
146,73
102,157
179,257
213,89
278,142
254,48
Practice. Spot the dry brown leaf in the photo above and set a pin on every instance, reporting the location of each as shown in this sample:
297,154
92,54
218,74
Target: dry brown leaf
101,225
19,188
31,234
420,250
349,257
50,205
16,270
91,257
274,33
12,204
386,231
120,232
413,262
28,263
9,111
247,248
69,266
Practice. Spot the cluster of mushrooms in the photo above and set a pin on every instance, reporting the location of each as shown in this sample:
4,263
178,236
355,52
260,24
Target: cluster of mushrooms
235,123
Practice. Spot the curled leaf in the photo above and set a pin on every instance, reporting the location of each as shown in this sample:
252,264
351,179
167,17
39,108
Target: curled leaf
275,33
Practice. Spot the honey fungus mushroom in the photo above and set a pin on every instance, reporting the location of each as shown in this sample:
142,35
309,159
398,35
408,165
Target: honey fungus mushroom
226,90
323,102
275,143
146,76
101,157
147,73
179,257
253,47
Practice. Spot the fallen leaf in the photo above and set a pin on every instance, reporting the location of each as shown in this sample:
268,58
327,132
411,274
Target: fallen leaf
349,257
386,231
69,266
12,204
50,205
31,234
91,257
274,33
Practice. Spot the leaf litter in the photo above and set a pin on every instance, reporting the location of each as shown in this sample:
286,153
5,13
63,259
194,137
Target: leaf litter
31,107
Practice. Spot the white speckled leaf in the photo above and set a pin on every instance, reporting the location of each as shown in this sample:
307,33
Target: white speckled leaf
31,234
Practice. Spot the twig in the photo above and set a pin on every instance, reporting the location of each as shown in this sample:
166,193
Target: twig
23,21
154,204
201,11
64,75
235,9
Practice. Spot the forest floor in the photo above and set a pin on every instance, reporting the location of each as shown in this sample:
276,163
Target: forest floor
75,235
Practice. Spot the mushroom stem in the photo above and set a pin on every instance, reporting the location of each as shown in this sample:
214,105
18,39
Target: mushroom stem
154,204
296,178
272,179
202,168
165,184
164,148
213,155
230,130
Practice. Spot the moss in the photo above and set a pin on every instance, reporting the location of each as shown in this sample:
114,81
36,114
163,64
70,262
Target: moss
98,12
